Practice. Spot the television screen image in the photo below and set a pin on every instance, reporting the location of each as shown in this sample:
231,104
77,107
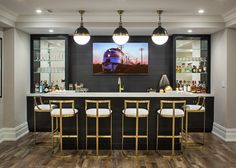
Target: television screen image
110,58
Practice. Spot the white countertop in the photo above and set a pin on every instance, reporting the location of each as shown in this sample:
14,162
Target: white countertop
117,94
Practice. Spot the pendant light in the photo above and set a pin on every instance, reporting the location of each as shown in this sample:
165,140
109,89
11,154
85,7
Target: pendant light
120,35
81,35
159,35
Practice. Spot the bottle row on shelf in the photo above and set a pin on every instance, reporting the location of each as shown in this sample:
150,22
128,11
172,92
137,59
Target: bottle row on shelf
191,68
45,87
197,59
50,70
191,86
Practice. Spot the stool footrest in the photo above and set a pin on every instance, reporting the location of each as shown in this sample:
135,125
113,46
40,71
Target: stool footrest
65,136
169,136
134,136
99,136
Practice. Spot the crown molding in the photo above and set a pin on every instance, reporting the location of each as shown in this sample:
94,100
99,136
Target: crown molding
110,17
230,18
7,17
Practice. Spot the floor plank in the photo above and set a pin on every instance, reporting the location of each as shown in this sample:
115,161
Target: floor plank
24,154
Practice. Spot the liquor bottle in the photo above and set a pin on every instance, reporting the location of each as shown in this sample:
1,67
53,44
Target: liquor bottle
203,87
180,85
49,86
199,87
177,85
180,69
45,87
189,68
204,69
183,68
185,86
41,87
199,69
194,69
57,85
177,69
189,87
193,87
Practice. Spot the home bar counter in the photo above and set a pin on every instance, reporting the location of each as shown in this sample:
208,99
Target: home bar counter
117,105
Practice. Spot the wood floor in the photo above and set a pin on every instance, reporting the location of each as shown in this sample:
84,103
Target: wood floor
24,154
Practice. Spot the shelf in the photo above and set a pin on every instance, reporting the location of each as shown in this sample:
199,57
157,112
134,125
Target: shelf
189,50
50,49
191,61
51,60
191,73
49,72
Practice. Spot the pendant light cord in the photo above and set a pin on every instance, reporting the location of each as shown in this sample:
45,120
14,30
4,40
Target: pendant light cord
120,12
159,15
81,17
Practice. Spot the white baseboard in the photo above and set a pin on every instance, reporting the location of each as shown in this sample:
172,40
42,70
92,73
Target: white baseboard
226,134
13,134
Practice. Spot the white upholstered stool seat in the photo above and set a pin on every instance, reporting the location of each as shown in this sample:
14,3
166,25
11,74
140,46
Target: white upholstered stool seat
102,112
131,112
44,107
168,112
194,107
66,112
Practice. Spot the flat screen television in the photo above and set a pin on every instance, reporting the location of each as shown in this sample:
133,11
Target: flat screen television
110,58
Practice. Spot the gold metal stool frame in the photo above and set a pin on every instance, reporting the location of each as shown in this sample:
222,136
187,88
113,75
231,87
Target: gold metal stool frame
173,116
38,110
97,136
55,132
136,136
201,109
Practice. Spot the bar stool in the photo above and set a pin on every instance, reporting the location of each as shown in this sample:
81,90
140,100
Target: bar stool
39,107
136,111
172,113
199,107
97,113
60,113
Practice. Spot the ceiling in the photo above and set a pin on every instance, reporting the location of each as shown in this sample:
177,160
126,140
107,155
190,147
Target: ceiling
140,16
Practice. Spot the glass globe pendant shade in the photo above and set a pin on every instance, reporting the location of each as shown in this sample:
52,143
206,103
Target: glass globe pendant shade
120,36
160,36
81,36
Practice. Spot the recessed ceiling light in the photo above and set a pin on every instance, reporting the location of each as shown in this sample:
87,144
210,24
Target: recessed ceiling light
38,11
190,31
51,30
201,11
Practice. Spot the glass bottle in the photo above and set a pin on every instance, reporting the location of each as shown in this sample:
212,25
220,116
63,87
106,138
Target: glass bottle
189,87
194,69
193,87
183,68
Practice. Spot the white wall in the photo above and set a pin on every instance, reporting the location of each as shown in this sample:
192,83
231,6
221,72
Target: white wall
8,79
231,78
21,75
219,75
1,100
16,81
223,83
